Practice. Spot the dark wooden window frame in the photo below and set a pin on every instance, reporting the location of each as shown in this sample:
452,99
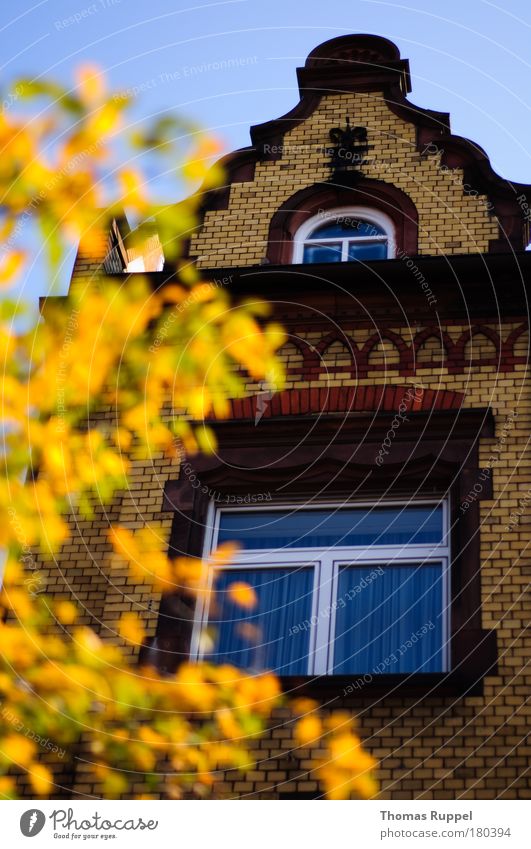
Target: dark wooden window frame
301,457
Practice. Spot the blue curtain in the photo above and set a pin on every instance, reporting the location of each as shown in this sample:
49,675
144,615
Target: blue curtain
256,529
279,636
366,252
322,253
392,625
348,226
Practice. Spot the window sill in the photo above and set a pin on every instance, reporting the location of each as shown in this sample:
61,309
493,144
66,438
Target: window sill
474,656
377,687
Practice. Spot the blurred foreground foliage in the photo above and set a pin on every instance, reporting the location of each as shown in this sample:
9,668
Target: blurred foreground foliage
64,691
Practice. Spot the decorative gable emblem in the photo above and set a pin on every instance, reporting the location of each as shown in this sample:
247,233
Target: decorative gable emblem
350,148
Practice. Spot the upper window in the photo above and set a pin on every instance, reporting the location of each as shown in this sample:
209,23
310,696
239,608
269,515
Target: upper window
346,235
360,589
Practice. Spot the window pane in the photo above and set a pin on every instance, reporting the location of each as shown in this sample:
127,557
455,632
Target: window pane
272,635
322,253
346,227
392,624
367,252
360,526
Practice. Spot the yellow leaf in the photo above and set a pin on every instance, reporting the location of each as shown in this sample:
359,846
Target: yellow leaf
10,266
66,612
132,629
147,734
91,83
223,554
365,786
7,787
243,595
340,719
41,779
304,705
114,783
20,603
17,749
132,184
122,541
199,164
308,730
228,724
346,752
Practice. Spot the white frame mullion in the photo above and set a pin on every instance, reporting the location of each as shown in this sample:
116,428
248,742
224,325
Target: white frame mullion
319,663
212,526
332,629
314,629
331,240
344,250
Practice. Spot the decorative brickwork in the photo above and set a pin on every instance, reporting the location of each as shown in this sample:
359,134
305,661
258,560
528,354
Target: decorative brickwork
431,347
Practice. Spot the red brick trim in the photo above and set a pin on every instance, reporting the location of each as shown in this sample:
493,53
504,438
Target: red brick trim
351,399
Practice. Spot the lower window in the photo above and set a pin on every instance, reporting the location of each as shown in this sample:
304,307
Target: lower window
338,590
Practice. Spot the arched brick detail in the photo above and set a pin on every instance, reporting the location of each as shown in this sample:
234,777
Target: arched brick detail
326,343
334,352
509,356
332,337
432,333
307,202
457,359
295,345
313,364
300,344
406,360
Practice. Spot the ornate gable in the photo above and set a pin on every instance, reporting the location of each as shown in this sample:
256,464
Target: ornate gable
355,135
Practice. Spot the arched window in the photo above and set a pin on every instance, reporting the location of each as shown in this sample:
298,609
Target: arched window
354,234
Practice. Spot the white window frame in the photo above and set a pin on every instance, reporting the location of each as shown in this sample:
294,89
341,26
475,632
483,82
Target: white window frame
373,216
326,564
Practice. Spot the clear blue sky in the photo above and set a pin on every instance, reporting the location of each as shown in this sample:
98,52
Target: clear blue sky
471,58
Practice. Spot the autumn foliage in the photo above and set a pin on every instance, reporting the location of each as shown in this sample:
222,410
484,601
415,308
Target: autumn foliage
61,175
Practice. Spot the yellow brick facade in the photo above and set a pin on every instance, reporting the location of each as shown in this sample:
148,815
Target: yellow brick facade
466,747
